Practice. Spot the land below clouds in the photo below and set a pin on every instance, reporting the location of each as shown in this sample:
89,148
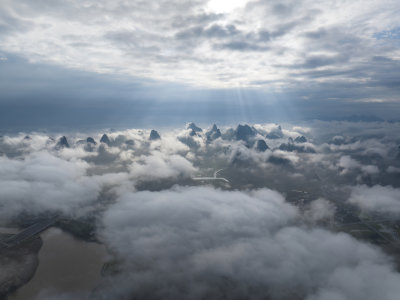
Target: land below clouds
136,191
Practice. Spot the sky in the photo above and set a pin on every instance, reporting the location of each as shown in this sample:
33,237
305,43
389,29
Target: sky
143,63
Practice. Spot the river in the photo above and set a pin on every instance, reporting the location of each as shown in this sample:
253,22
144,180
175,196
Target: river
66,265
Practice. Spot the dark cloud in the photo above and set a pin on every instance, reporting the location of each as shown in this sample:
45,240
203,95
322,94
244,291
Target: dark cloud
282,9
241,46
321,61
214,31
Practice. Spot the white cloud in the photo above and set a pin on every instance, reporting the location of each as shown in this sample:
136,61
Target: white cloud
227,43
346,163
158,165
42,182
384,199
320,209
196,243
201,242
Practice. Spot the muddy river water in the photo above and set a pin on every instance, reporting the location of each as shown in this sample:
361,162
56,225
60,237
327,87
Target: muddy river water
67,265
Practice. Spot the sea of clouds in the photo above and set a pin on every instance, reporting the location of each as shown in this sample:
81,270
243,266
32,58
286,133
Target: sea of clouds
178,238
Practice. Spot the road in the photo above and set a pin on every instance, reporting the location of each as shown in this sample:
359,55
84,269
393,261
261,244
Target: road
28,232
212,178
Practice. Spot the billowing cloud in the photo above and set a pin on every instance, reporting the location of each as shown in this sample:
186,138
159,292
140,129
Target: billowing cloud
37,176
263,233
196,243
157,166
42,182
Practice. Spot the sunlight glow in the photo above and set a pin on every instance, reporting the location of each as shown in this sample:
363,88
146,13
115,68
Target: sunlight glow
223,6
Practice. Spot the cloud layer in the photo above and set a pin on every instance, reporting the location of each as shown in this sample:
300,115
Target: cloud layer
173,231
244,44
196,243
